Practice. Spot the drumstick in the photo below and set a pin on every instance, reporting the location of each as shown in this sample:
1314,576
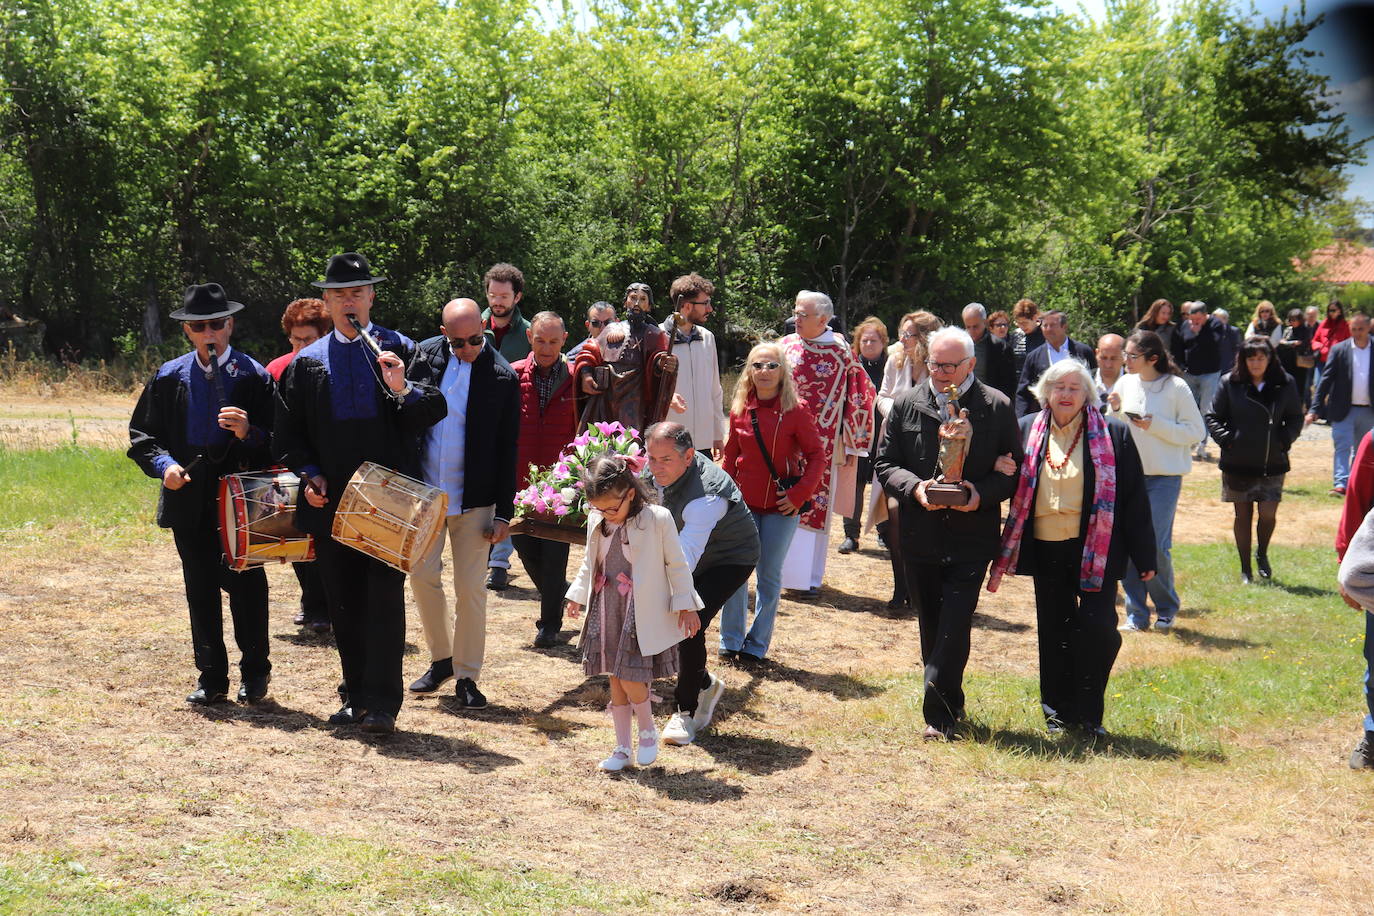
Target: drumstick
374,347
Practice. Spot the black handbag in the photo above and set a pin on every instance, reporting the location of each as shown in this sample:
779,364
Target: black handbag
785,483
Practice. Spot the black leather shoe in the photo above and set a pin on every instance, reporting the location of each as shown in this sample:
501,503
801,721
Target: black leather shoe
299,619
318,626
498,580
379,723
1262,564
439,673
848,545
348,716
203,697
546,639
254,690
468,695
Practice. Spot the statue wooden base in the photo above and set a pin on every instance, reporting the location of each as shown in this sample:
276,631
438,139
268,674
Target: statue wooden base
947,494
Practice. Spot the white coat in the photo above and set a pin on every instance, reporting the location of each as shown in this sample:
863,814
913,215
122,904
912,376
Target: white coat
662,581
698,381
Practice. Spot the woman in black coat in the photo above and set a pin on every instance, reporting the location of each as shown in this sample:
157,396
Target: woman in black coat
1295,350
1079,513
1255,418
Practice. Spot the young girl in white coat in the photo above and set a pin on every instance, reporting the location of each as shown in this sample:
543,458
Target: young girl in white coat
641,603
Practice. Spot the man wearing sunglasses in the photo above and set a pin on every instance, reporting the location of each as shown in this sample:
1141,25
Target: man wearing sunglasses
338,405
183,434
470,455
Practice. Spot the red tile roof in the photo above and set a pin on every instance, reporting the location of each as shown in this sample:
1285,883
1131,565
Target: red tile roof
1341,263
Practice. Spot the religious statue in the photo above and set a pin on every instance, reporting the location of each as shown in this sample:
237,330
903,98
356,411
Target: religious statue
630,376
955,434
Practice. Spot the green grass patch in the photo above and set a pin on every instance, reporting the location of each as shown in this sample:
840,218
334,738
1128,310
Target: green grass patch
87,493
297,872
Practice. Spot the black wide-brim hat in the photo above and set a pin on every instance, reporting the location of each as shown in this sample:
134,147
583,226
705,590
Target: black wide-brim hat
345,270
205,301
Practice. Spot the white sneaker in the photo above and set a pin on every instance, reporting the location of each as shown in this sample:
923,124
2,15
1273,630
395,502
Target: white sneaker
648,753
619,760
706,704
1130,627
1163,626
681,730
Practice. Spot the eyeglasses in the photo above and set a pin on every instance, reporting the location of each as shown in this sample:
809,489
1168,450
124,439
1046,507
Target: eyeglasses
765,367
799,314
933,366
1000,324
597,323
910,335
1135,355
458,343
214,324
705,302
616,508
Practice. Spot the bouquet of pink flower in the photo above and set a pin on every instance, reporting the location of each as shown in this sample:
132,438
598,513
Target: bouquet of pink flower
556,491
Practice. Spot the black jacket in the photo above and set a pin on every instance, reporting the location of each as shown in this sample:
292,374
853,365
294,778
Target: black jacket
1037,361
1255,429
908,455
996,366
1333,397
158,435
493,422
1133,533
1200,353
307,436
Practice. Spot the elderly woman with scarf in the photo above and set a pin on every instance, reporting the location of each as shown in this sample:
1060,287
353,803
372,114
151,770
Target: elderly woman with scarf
1079,513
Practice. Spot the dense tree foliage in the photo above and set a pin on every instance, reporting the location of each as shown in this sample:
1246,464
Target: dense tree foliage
894,153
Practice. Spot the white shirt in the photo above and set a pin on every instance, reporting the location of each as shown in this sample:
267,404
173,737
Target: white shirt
1061,353
1359,376
220,360
699,519
443,459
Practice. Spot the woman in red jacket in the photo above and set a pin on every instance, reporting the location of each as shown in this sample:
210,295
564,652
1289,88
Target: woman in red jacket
1332,330
767,415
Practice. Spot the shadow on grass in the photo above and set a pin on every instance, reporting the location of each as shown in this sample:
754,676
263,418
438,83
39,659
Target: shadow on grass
406,745
540,721
988,622
690,786
1302,591
307,639
1209,641
756,756
1070,747
840,686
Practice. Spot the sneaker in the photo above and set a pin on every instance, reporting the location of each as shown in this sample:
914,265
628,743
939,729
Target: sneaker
1338,490
619,760
848,545
706,704
1363,756
1130,627
681,730
468,695
1164,626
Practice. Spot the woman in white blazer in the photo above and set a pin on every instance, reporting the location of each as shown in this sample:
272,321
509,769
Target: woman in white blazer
637,588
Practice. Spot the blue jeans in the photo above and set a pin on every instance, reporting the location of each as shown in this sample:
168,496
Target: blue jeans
1204,389
1162,490
1346,435
1369,667
500,553
775,536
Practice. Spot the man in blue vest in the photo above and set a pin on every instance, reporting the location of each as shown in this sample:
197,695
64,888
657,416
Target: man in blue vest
721,545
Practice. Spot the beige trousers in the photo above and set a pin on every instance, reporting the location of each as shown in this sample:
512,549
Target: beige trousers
463,635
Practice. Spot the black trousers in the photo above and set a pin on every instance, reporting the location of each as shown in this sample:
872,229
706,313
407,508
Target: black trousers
1078,636
367,607
204,572
313,603
945,596
546,563
715,585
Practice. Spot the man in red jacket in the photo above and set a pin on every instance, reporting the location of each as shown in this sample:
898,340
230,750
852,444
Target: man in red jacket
1359,500
548,422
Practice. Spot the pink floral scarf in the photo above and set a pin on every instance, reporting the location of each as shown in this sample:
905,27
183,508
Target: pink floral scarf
1099,538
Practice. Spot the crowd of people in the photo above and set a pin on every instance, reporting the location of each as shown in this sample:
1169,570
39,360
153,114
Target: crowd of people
1003,446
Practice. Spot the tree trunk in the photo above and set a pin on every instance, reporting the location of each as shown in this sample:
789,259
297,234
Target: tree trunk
152,315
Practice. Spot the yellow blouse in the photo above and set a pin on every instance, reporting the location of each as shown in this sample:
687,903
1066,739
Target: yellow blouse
1059,496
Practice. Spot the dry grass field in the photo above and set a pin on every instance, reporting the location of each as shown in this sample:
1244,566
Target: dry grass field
1223,789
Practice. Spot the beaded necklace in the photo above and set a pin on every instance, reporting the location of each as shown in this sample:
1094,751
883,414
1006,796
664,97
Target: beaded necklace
1068,451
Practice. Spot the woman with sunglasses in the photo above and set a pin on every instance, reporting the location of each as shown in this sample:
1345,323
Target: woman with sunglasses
999,323
1265,323
773,451
1330,331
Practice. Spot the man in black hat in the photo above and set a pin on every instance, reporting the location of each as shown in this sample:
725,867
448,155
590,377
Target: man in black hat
203,415
338,406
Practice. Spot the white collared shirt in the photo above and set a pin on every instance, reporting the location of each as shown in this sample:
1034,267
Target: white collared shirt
357,338
220,360
1061,353
1359,375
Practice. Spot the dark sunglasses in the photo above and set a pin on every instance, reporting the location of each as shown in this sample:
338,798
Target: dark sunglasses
597,323
214,324
765,366
459,343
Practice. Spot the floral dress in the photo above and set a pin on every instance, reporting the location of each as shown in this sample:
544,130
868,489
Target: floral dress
610,644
